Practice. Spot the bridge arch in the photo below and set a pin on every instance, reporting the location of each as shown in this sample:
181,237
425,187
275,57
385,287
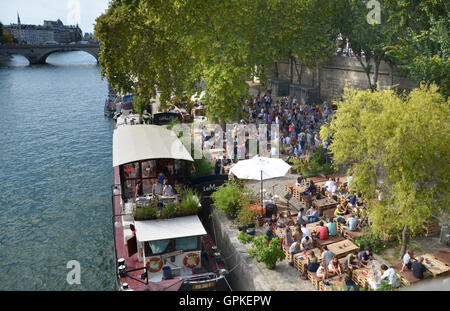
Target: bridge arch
43,57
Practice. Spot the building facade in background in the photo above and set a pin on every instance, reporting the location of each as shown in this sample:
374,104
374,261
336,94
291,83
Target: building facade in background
49,31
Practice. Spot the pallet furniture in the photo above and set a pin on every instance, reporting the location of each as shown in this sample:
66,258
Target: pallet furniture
301,261
324,204
330,240
435,266
339,226
443,256
314,280
431,229
343,248
361,276
335,282
406,277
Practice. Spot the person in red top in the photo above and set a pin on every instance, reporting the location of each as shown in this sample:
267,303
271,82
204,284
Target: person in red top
322,232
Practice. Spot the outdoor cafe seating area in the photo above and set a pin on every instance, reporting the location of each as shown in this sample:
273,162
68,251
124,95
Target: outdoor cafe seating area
366,277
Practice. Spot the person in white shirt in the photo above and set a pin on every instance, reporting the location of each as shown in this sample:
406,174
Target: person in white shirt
306,243
329,184
295,248
305,231
334,190
406,261
390,274
333,267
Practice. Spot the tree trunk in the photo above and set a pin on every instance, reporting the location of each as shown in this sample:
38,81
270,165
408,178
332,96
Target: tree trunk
291,76
377,60
366,69
404,241
276,70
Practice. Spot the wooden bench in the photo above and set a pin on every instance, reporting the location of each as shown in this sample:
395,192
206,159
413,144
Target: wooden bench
406,276
314,280
330,240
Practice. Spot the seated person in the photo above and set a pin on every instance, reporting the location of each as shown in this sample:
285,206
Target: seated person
299,180
157,188
322,232
349,284
332,231
334,190
351,261
270,231
365,257
339,211
295,248
312,187
301,218
305,231
352,200
297,235
167,189
283,221
407,260
312,214
352,223
334,268
322,272
391,275
313,263
306,243
418,268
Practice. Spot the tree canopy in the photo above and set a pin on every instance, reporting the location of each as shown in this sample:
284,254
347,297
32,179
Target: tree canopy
179,45
396,144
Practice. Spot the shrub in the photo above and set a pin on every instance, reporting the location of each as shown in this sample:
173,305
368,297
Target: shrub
229,198
203,167
168,211
268,253
245,238
245,216
190,203
370,241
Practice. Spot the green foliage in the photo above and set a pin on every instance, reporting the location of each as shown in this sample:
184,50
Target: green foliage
315,165
397,144
168,211
245,216
370,241
423,48
203,167
229,198
268,253
245,238
189,205
178,44
145,212
139,104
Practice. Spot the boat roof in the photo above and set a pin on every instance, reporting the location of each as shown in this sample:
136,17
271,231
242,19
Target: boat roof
172,228
145,142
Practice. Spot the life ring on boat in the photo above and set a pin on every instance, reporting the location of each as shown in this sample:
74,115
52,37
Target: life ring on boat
191,260
154,264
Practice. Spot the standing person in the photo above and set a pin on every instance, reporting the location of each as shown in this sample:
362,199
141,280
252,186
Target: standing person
217,166
270,231
305,230
327,255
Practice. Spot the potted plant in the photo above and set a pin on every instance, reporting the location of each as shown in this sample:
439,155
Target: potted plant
245,218
268,253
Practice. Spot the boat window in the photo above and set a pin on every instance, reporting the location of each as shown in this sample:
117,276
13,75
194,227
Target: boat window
188,243
161,246
131,170
148,168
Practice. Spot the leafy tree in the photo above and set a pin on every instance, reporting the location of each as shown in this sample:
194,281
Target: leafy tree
368,41
397,144
178,45
423,48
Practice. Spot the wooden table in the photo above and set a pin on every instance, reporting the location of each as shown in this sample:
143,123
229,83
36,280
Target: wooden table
313,226
323,204
301,261
366,275
298,190
435,266
340,250
333,283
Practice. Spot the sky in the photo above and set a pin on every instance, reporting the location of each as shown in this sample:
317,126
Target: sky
70,12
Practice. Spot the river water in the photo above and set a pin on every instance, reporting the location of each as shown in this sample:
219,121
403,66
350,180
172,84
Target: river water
55,175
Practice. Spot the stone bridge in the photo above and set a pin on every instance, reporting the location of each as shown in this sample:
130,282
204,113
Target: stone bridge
37,54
